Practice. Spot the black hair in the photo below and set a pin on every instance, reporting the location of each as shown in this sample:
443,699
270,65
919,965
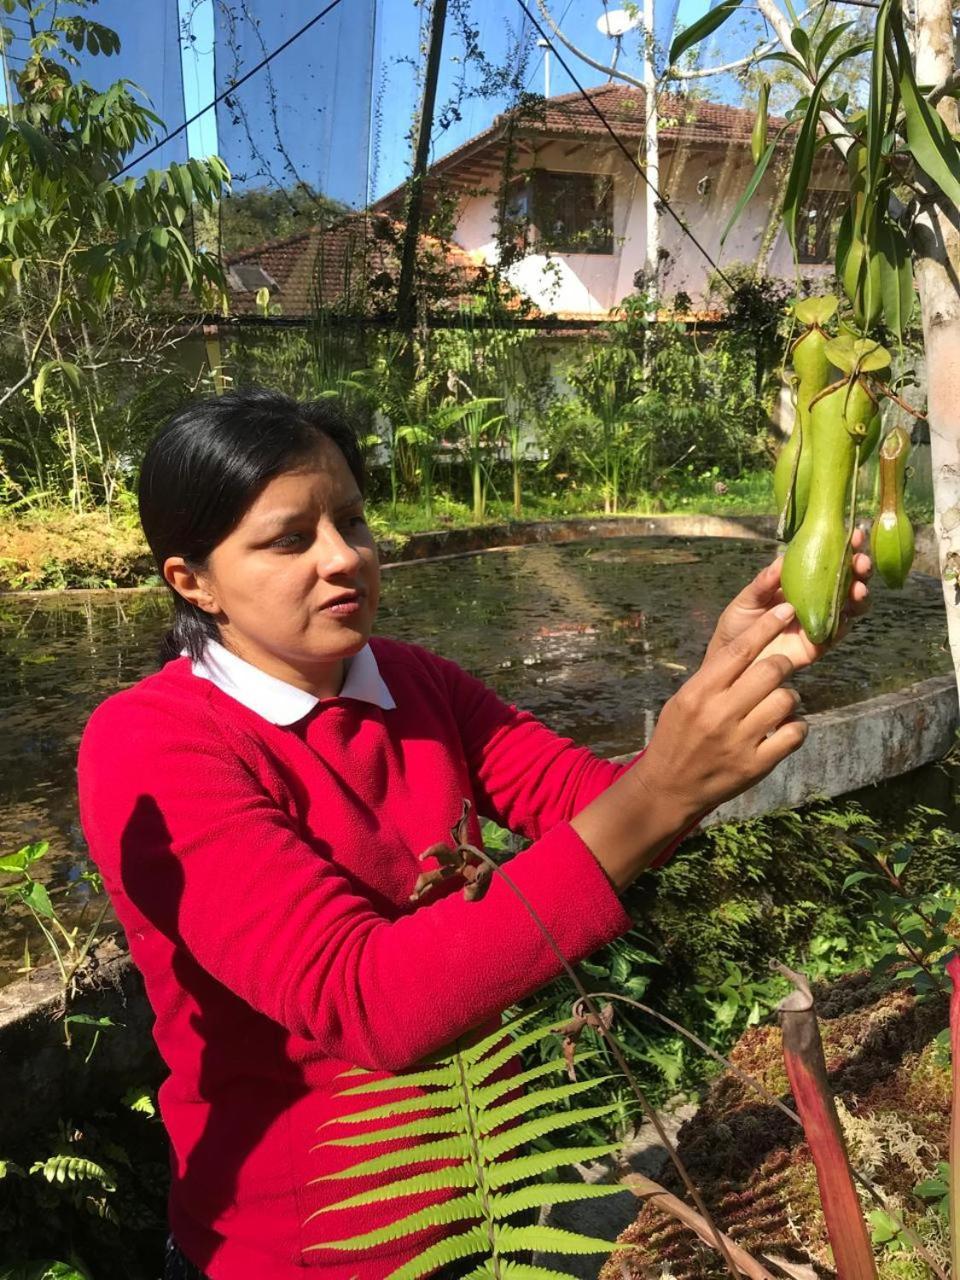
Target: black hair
206,467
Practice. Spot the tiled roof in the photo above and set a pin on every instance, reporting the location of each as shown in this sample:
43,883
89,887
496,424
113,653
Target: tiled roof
354,263
570,115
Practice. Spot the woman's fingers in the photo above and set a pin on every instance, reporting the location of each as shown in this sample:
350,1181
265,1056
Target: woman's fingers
742,651
771,712
783,742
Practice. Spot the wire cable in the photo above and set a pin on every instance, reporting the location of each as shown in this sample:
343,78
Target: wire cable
662,199
227,92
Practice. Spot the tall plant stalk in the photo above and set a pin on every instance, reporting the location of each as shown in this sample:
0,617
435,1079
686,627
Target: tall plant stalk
807,1072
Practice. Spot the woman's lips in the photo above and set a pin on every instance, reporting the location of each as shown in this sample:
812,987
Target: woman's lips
343,606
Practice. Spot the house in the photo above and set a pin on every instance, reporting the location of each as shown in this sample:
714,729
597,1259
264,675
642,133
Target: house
573,205
351,267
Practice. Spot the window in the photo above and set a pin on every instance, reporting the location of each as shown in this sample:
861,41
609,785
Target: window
816,226
573,212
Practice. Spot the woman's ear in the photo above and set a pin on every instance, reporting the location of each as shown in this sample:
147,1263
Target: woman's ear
190,583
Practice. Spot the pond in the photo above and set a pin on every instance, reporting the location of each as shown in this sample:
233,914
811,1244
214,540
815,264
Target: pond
593,637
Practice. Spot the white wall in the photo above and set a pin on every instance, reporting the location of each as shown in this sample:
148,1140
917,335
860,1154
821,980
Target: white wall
589,283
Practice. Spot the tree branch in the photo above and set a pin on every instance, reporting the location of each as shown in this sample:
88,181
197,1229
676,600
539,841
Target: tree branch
613,72
945,87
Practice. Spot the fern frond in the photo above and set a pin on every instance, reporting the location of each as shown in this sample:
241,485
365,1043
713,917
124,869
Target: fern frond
436,1077
542,1193
507,1269
423,1102
500,1143
455,1175
479,1072
497,1116
512,1239
506,1172
466,1208
485,1120
510,1270
456,1148
441,1254
474,1052
446,1122
486,1096
63,1168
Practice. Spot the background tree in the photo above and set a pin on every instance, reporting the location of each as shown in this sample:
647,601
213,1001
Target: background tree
87,254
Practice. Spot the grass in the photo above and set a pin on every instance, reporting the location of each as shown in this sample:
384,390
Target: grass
55,549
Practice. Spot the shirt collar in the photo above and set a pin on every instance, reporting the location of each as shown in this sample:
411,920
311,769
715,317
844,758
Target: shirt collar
281,703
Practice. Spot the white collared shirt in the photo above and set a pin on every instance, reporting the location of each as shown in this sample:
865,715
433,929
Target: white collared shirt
276,700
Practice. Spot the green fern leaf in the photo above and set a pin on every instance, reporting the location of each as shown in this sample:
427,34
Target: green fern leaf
499,1144
506,1172
456,1148
486,1096
510,1270
460,1175
474,1052
497,1116
511,1239
479,1072
441,1077
424,1102
64,1168
446,1122
542,1193
463,1209
452,1249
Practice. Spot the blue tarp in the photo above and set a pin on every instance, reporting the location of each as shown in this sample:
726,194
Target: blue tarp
150,56
307,116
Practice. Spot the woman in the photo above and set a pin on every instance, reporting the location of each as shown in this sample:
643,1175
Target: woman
257,808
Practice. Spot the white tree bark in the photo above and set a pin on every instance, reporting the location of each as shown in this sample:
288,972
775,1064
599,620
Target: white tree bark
937,265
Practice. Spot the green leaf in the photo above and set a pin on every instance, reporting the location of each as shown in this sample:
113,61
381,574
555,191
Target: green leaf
463,1209
534,1197
140,1100
441,1098
932,1189
456,1148
855,877
551,1240
443,1075
496,1116
801,42
828,41
878,101
501,1143
700,29
896,277
506,1172
38,900
751,187
799,178
928,139
22,859
758,138
442,1254
73,1169
461,1175
445,1122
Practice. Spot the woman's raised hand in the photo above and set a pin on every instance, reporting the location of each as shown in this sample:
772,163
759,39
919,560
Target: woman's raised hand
726,728
764,592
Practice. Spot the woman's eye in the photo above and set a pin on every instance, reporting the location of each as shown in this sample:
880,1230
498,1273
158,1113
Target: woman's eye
287,541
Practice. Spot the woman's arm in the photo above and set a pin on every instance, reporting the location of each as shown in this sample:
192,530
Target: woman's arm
191,844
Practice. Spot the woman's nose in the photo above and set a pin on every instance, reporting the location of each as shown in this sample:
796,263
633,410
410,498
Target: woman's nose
337,555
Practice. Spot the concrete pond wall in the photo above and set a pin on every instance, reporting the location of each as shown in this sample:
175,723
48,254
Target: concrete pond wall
847,749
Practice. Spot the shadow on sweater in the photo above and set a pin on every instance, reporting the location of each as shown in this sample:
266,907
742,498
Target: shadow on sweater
218,1130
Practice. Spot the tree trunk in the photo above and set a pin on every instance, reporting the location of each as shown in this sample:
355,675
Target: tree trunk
937,263
517,505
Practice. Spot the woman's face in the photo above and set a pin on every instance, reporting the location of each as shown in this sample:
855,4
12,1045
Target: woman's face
296,584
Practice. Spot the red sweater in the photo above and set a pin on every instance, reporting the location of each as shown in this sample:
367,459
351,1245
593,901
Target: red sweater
262,875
